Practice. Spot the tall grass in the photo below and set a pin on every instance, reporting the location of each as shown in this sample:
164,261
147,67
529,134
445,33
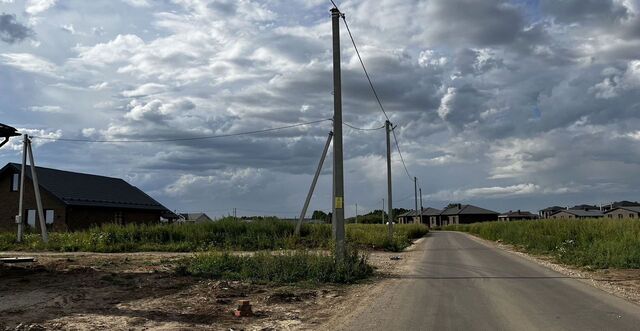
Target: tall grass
288,267
594,243
222,235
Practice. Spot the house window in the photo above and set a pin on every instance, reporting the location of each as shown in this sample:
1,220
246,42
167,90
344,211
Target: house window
15,182
117,218
620,216
610,216
632,215
49,216
31,218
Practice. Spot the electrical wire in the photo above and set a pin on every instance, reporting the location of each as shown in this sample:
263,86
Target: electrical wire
363,129
185,139
373,89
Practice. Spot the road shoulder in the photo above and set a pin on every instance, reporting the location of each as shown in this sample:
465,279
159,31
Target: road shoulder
623,283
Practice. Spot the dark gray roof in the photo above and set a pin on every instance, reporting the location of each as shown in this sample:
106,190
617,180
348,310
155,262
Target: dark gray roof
409,214
554,208
431,211
77,189
635,209
467,210
585,207
7,131
518,213
582,213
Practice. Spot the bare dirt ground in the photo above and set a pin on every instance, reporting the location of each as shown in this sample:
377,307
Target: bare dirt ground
624,283
139,291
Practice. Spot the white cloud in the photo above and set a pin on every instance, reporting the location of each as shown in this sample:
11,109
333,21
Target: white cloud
29,62
144,90
35,7
47,109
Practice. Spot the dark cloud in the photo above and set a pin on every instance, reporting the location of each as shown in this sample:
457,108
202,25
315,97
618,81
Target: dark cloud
584,11
12,31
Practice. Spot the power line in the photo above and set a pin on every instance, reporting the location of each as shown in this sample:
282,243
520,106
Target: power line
373,89
364,68
185,139
400,153
363,129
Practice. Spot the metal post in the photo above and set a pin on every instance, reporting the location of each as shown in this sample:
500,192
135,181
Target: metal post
36,189
313,184
20,217
337,140
415,192
421,221
387,126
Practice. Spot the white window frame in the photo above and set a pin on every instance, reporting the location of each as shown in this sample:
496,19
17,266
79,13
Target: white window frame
15,182
31,217
47,213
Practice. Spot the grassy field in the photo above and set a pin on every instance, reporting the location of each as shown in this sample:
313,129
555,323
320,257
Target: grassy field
289,267
222,235
585,243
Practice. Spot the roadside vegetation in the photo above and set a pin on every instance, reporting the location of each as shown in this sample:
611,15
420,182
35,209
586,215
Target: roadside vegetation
288,267
597,244
227,234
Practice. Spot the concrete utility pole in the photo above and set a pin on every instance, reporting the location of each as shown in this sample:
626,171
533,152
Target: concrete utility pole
382,211
415,192
20,217
387,126
28,151
337,140
313,184
421,221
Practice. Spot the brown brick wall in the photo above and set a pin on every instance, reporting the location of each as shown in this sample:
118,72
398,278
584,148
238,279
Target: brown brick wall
615,214
9,206
80,218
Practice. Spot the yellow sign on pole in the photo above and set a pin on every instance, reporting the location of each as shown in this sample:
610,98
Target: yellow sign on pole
339,202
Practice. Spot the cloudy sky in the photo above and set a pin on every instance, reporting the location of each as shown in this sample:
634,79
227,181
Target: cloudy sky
514,104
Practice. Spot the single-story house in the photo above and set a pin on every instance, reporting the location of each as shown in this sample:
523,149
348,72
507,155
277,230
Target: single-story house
517,216
623,212
618,204
194,218
75,201
466,214
576,214
409,217
431,216
547,212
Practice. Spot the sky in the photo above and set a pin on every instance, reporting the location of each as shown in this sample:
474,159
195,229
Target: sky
508,105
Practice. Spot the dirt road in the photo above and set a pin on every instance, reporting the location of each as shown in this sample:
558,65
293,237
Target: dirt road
454,282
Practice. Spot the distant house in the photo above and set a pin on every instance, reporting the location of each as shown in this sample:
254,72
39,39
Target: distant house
409,217
619,204
194,218
74,201
431,216
465,214
517,216
547,212
576,214
623,212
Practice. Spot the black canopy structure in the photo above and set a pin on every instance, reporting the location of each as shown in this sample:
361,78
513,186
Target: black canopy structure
7,132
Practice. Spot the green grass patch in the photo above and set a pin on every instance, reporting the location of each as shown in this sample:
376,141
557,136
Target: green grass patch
288,267
597,244
226,234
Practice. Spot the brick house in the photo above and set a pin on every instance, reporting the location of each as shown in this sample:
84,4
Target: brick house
517,216
623,212
576,214
466,214
75,201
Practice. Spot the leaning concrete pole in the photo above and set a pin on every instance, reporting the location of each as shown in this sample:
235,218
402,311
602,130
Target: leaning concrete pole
313,184
36,189
387,126
337,140
421,221
20,217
